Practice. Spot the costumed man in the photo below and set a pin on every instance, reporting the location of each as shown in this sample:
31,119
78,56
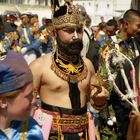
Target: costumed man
3,40
46,31
9,21
9,40
26,39
24,29
16,99
32,50
37,39
66,80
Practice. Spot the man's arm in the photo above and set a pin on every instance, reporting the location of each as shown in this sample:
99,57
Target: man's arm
36,71
98,94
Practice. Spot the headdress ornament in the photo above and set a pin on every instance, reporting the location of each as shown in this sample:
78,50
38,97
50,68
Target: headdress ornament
66,15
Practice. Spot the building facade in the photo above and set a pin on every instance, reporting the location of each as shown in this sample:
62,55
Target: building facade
104,8
31,2
95,8
135,4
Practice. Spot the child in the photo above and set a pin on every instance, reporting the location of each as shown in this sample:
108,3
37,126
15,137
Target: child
16,99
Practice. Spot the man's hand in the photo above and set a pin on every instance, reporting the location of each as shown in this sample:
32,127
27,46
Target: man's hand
99,97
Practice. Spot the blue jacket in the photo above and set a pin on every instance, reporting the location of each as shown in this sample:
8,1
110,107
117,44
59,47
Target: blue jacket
33,131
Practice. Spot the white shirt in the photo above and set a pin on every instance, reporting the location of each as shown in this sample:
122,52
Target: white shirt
86,41
8,132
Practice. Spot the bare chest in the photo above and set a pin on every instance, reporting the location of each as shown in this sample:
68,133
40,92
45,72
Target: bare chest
51,81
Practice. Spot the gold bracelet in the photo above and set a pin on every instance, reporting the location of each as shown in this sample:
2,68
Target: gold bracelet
98,87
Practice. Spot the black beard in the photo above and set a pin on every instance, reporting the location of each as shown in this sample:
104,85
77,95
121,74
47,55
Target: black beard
72,48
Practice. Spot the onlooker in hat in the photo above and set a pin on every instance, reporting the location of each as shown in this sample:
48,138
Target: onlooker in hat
9,21
16,99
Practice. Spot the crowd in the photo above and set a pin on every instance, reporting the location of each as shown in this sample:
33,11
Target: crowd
54,82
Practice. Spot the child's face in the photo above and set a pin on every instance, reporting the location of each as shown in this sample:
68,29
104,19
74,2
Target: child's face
19,106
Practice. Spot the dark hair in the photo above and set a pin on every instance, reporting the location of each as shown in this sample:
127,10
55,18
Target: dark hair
87,20
1,20
120,21
102,25
129,15
112,22
47,20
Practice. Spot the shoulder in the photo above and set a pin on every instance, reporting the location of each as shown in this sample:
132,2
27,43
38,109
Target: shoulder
40,62
30,128
34,131
87,61
32,123
89,64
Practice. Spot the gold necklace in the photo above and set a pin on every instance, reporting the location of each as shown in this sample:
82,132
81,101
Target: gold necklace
63,56
69,71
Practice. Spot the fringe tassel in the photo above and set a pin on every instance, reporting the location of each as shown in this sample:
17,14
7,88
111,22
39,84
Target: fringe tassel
97,135
88,114
87,133
59,129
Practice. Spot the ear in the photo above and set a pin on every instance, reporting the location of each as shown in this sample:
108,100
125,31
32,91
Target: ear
3,102
125,24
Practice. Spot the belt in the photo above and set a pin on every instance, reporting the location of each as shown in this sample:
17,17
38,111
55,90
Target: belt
68,123
75,122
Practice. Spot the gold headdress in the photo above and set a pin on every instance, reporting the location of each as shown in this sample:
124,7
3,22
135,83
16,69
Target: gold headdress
66,15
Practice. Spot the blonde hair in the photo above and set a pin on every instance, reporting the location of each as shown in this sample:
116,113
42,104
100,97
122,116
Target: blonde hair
11,93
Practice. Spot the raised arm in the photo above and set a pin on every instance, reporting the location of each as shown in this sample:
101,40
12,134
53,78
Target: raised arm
98,94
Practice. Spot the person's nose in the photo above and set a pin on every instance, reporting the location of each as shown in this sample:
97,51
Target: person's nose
33,100
75,35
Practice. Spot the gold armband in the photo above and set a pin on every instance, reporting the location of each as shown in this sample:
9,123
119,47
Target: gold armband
98,87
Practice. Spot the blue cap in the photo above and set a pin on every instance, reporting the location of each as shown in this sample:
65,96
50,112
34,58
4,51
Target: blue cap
14,72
